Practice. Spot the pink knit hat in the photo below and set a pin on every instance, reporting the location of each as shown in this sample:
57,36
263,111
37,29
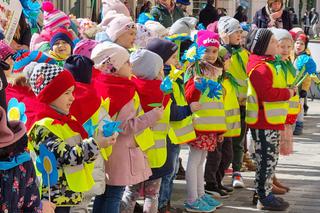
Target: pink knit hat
118,26
10,136
54,18
5,50
112,14
118,6
85,47
207,38
213,27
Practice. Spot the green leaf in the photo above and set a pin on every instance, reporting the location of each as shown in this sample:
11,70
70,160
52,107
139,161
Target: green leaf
155,105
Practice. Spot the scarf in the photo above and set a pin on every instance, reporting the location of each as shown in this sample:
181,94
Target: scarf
58,57
59,118
169,7
119,90
149,92
86,102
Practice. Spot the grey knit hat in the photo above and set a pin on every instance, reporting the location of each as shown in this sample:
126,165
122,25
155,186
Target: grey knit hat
183,25
228,25
146,64
258,41
281,34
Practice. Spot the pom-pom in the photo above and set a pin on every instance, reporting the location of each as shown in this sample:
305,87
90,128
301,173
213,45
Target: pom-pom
47,6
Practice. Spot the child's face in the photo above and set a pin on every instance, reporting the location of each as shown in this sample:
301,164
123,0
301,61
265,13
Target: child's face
124,71
64,101
235,38
272,49
173,60
127,39
285,48
299,46
211,54
62,47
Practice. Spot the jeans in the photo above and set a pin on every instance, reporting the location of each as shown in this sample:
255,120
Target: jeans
109,201
167,181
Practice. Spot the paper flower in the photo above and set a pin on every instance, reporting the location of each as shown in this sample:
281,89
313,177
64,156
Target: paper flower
175,73
202,85
47,164
194,53
215,89
90,129
110,127
178,37
166,85
16,111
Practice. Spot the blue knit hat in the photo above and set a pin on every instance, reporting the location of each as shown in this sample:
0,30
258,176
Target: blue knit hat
62,34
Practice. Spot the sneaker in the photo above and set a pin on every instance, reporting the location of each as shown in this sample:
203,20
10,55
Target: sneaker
256,198
181,175
198,206
211,201
228,171
227,189
237,181
272,203
298,130
215,191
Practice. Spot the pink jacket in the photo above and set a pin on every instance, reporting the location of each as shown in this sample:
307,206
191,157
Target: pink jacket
127,164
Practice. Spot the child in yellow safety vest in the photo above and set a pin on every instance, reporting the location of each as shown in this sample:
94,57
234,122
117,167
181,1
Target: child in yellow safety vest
63,136
266,112
230,32
128,164
209,124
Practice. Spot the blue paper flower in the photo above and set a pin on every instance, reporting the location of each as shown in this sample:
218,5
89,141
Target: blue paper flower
110,127
47,164
215,89
90,129
202,85
166,85
178,37
144,17
16,111
201,27
194,53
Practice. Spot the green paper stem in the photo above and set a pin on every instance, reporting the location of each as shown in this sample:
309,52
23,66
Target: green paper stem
302,79
178,43
197,68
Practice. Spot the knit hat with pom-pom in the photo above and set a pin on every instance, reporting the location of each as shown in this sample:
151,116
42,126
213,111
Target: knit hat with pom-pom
54,18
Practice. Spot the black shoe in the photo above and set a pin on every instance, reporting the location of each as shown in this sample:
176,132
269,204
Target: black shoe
272,203
181,175
215,191
227,189
138,208
255,198
305,109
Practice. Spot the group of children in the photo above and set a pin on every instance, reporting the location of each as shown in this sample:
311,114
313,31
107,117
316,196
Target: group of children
74,87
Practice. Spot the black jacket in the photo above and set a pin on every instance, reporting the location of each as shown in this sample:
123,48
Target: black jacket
261,19
208,15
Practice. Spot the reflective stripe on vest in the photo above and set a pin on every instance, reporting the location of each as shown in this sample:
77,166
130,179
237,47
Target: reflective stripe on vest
181,131
294,103
275,112
240,75
157,154
211,116
79,177
232,110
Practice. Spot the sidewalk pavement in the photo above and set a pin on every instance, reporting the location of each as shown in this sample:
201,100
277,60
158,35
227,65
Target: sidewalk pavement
300,171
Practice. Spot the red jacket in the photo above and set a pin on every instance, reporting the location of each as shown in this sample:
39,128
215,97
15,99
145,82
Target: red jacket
261,79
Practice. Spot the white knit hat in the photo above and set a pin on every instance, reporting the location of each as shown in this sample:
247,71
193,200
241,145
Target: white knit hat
158,29
281,34
110,53
183,25
118,26
229,25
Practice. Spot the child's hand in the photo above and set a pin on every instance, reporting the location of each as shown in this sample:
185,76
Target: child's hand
104,142
48,207
220,138
225,37
195,106
158,112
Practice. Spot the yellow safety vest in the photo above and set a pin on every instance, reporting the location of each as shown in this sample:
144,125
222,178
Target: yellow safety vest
144,138
181,131
232,110
211,116
236,70
157,154
275,112
79,177
294,103
97,119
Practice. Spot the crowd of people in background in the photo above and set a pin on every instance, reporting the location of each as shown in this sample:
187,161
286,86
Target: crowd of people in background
101,110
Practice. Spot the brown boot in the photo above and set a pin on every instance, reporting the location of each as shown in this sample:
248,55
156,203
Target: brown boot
248,162
277,190
278,184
